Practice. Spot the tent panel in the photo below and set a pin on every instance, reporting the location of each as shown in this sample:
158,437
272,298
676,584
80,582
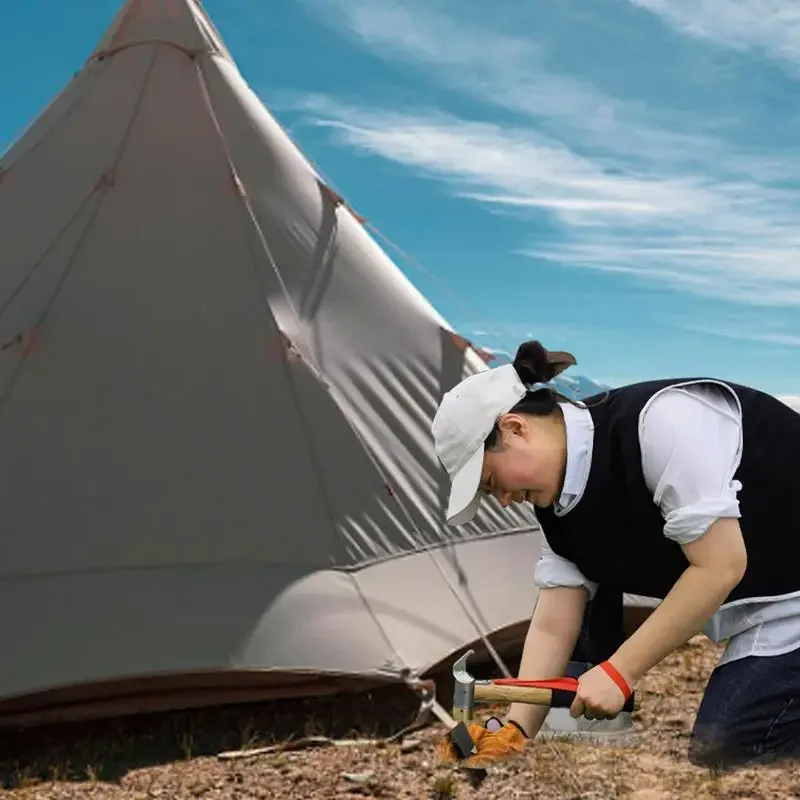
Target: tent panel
154,423
425,619
99,626
55,169
351,312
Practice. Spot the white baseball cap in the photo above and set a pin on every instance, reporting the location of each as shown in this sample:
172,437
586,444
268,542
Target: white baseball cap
465,417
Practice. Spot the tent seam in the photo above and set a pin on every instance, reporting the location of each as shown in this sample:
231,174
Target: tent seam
241,192
298,402
100,189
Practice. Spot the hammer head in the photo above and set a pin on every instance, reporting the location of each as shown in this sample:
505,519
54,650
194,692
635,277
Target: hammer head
465,747
463,711
463,690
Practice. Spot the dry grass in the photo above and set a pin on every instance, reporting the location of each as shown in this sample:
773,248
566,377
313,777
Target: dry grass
175,755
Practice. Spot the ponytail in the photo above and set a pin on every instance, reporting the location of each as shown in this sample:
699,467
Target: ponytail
536,368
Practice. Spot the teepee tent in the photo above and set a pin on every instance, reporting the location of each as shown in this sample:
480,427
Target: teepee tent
216,473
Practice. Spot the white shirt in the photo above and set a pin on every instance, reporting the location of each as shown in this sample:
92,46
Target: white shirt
691,444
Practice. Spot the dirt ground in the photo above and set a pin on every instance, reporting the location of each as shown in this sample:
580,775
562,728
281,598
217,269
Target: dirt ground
177,755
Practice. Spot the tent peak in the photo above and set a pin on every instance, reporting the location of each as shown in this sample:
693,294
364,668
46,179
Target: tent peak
181,23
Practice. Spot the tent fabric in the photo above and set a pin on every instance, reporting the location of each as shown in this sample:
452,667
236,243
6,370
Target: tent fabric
215,405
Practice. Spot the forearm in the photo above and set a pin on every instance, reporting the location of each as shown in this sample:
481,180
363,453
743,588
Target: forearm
692,601
545,655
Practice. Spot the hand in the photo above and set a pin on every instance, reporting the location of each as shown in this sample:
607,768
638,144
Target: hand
491,745
598,696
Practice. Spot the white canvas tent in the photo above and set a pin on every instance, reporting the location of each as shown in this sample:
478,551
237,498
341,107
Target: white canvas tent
216,474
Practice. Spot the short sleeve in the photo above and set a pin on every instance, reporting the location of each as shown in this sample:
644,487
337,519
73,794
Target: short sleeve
691,445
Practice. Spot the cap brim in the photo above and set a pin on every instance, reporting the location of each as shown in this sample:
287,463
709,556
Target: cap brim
464,492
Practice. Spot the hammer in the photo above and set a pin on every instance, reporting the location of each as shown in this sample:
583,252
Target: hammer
458,734
554,693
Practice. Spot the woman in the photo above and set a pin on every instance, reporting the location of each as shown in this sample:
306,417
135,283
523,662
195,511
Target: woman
681,490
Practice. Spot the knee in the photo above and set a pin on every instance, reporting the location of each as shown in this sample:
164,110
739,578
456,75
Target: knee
703,753
719,748
706,748
713,746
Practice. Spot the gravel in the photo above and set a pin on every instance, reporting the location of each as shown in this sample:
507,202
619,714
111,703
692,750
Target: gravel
177,756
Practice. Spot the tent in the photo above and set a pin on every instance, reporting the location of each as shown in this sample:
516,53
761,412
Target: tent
217,481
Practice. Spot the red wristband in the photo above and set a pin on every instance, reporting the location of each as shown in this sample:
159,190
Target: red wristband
615,676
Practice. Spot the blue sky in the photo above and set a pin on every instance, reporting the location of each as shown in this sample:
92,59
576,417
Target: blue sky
619,178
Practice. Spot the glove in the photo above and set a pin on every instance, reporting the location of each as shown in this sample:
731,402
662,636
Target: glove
492,746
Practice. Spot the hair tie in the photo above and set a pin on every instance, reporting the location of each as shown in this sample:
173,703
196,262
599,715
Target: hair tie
535,387
567,390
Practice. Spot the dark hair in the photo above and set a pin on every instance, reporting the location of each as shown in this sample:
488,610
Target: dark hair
535,364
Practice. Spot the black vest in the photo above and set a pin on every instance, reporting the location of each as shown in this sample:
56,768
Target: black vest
614,534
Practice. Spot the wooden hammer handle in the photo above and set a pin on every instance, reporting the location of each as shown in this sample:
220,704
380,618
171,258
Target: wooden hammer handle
489,692
535,695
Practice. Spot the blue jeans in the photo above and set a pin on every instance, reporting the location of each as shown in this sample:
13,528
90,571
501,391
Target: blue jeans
749,714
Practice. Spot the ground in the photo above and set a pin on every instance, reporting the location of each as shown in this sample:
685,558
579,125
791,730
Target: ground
176,756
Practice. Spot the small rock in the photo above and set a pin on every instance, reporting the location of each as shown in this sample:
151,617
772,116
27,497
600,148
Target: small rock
410,745
649,794
358,777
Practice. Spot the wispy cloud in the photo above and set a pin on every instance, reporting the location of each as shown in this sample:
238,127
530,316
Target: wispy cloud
423,32
650,192
780,330
512,72
783,339
519,166
548,333
709,236
769,26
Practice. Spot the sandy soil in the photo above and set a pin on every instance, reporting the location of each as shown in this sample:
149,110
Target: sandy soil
177,755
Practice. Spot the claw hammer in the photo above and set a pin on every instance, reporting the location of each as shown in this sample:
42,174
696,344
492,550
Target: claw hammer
457,731
555,692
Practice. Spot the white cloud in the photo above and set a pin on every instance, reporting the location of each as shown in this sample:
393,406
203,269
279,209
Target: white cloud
769,26
565,203
511,72
633,189
747,334
778,330
518,167
719,238
424,33
488,59
551,335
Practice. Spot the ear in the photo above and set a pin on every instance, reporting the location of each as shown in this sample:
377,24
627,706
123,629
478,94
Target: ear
560,360
512,425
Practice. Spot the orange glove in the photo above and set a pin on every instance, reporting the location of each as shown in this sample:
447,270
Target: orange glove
491,746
